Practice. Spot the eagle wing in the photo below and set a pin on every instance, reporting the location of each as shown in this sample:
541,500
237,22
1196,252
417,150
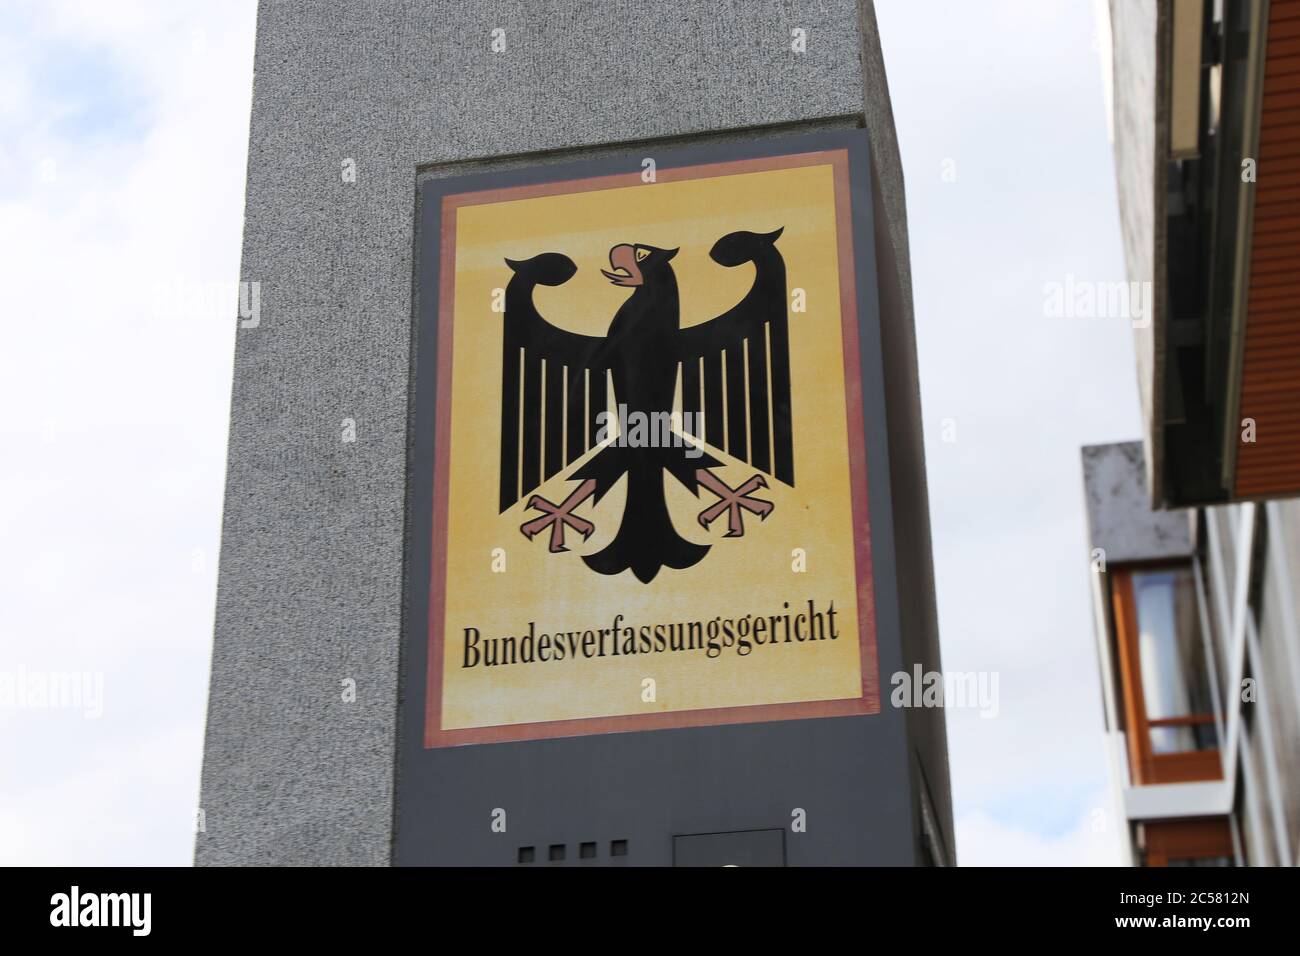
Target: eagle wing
745,340
552,383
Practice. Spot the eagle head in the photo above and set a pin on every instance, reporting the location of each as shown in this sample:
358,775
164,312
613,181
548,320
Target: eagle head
633,265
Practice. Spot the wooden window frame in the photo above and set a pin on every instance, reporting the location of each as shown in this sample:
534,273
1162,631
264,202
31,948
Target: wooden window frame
1146,766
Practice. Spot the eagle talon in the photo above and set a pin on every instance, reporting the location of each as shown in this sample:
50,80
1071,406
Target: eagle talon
556,517
733,501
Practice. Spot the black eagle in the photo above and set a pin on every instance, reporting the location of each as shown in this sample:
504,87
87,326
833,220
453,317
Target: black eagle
554,386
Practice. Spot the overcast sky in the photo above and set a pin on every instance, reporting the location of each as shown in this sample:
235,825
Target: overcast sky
123,138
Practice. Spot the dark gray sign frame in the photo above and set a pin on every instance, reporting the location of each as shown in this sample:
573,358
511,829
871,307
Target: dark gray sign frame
853,779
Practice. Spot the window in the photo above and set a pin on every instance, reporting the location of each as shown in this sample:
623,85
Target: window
1169,713
1175,685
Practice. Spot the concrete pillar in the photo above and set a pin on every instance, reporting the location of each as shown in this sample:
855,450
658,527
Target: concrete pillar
310,586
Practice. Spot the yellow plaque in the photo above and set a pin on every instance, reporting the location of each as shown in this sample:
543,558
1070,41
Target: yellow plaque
649,503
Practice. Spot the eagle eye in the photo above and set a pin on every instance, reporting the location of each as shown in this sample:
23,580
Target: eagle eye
641,253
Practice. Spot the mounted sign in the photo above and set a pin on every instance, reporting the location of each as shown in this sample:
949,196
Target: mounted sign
639,486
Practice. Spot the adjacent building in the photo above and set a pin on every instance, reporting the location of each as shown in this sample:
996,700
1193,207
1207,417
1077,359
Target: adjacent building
1195,531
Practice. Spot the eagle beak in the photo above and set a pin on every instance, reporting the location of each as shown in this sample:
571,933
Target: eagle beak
623,266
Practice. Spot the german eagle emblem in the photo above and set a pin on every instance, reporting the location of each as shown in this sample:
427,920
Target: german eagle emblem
735,369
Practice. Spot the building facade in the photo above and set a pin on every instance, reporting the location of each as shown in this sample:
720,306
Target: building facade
1199,658
1195,531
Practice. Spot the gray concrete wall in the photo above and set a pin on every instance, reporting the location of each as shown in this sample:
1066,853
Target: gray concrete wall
310,583
1140,124
1121,520
1279,652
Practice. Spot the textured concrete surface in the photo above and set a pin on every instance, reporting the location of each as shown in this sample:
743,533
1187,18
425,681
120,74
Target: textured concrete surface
1120,517
309,591
1141,124
1279,650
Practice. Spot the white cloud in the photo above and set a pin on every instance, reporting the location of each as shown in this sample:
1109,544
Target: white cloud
1091,840
117,409
1016,103
124,164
